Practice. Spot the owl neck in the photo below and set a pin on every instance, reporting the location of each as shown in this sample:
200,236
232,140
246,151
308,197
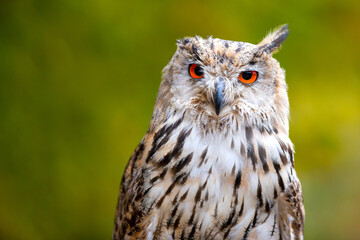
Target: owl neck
269,121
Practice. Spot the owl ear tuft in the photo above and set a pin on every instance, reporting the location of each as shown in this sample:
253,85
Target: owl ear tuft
182,42
272,42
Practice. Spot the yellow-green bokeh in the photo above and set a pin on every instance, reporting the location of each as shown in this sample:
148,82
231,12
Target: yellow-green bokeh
78,80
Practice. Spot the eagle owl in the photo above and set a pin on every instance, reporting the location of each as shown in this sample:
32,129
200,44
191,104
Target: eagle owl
216,161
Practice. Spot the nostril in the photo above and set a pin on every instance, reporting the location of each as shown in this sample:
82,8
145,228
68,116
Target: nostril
220,84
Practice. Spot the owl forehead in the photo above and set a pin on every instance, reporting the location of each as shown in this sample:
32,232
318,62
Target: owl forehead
215,51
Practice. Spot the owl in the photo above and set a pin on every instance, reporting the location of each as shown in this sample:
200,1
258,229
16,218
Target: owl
216,161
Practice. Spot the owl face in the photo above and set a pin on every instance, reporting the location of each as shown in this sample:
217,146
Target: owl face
219,79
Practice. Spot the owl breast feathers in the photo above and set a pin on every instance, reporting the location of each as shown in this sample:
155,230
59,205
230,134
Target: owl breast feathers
216,161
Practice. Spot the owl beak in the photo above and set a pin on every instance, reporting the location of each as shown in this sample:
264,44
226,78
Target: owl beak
218,96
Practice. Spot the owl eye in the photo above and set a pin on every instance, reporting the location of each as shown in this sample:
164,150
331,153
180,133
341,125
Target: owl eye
248,76
196,71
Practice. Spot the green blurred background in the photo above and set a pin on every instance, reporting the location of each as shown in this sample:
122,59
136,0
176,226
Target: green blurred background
78,81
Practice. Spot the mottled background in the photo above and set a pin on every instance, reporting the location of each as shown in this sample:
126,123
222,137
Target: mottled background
78,81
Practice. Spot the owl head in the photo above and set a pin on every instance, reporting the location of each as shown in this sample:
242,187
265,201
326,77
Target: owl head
219,82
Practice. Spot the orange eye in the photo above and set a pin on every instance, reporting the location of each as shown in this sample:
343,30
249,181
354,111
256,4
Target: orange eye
248,76
196,71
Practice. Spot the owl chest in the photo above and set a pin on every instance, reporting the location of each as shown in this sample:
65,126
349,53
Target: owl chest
213,185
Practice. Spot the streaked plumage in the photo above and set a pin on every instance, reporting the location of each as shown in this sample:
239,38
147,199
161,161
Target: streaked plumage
201,175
